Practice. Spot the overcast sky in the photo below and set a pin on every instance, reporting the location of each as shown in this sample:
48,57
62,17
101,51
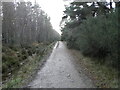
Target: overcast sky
54,9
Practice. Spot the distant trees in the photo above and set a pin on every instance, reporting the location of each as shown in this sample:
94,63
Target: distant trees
26,32
24,23
93,29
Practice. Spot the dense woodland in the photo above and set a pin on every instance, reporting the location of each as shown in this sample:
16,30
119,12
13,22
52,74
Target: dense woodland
26,30
93,28
24,23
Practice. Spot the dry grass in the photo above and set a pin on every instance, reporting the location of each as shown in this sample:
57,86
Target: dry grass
102,75
27,71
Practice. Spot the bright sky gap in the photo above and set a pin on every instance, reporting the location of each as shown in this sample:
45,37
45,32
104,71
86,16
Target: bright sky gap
54,9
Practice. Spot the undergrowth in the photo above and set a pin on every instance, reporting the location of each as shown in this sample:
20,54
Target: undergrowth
20,64
101,74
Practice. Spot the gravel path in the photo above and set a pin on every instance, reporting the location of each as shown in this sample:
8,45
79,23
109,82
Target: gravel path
60,72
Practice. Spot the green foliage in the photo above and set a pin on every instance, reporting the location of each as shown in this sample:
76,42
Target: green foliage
22,76
95,36
13,83
14,57
98,37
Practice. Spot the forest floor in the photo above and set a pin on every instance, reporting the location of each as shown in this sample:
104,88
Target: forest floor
60,71
20,77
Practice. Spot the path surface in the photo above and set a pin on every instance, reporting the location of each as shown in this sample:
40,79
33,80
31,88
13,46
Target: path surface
60,72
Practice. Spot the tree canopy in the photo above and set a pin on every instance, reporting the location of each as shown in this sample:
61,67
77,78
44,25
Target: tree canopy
92,28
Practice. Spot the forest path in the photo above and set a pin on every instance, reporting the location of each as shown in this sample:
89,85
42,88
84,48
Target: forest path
60,72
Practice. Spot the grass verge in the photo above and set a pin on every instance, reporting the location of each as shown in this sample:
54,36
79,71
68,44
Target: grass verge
27,71
102,75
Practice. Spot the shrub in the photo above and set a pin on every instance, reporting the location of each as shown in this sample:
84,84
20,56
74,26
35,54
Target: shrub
96,37
99,36
8,63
